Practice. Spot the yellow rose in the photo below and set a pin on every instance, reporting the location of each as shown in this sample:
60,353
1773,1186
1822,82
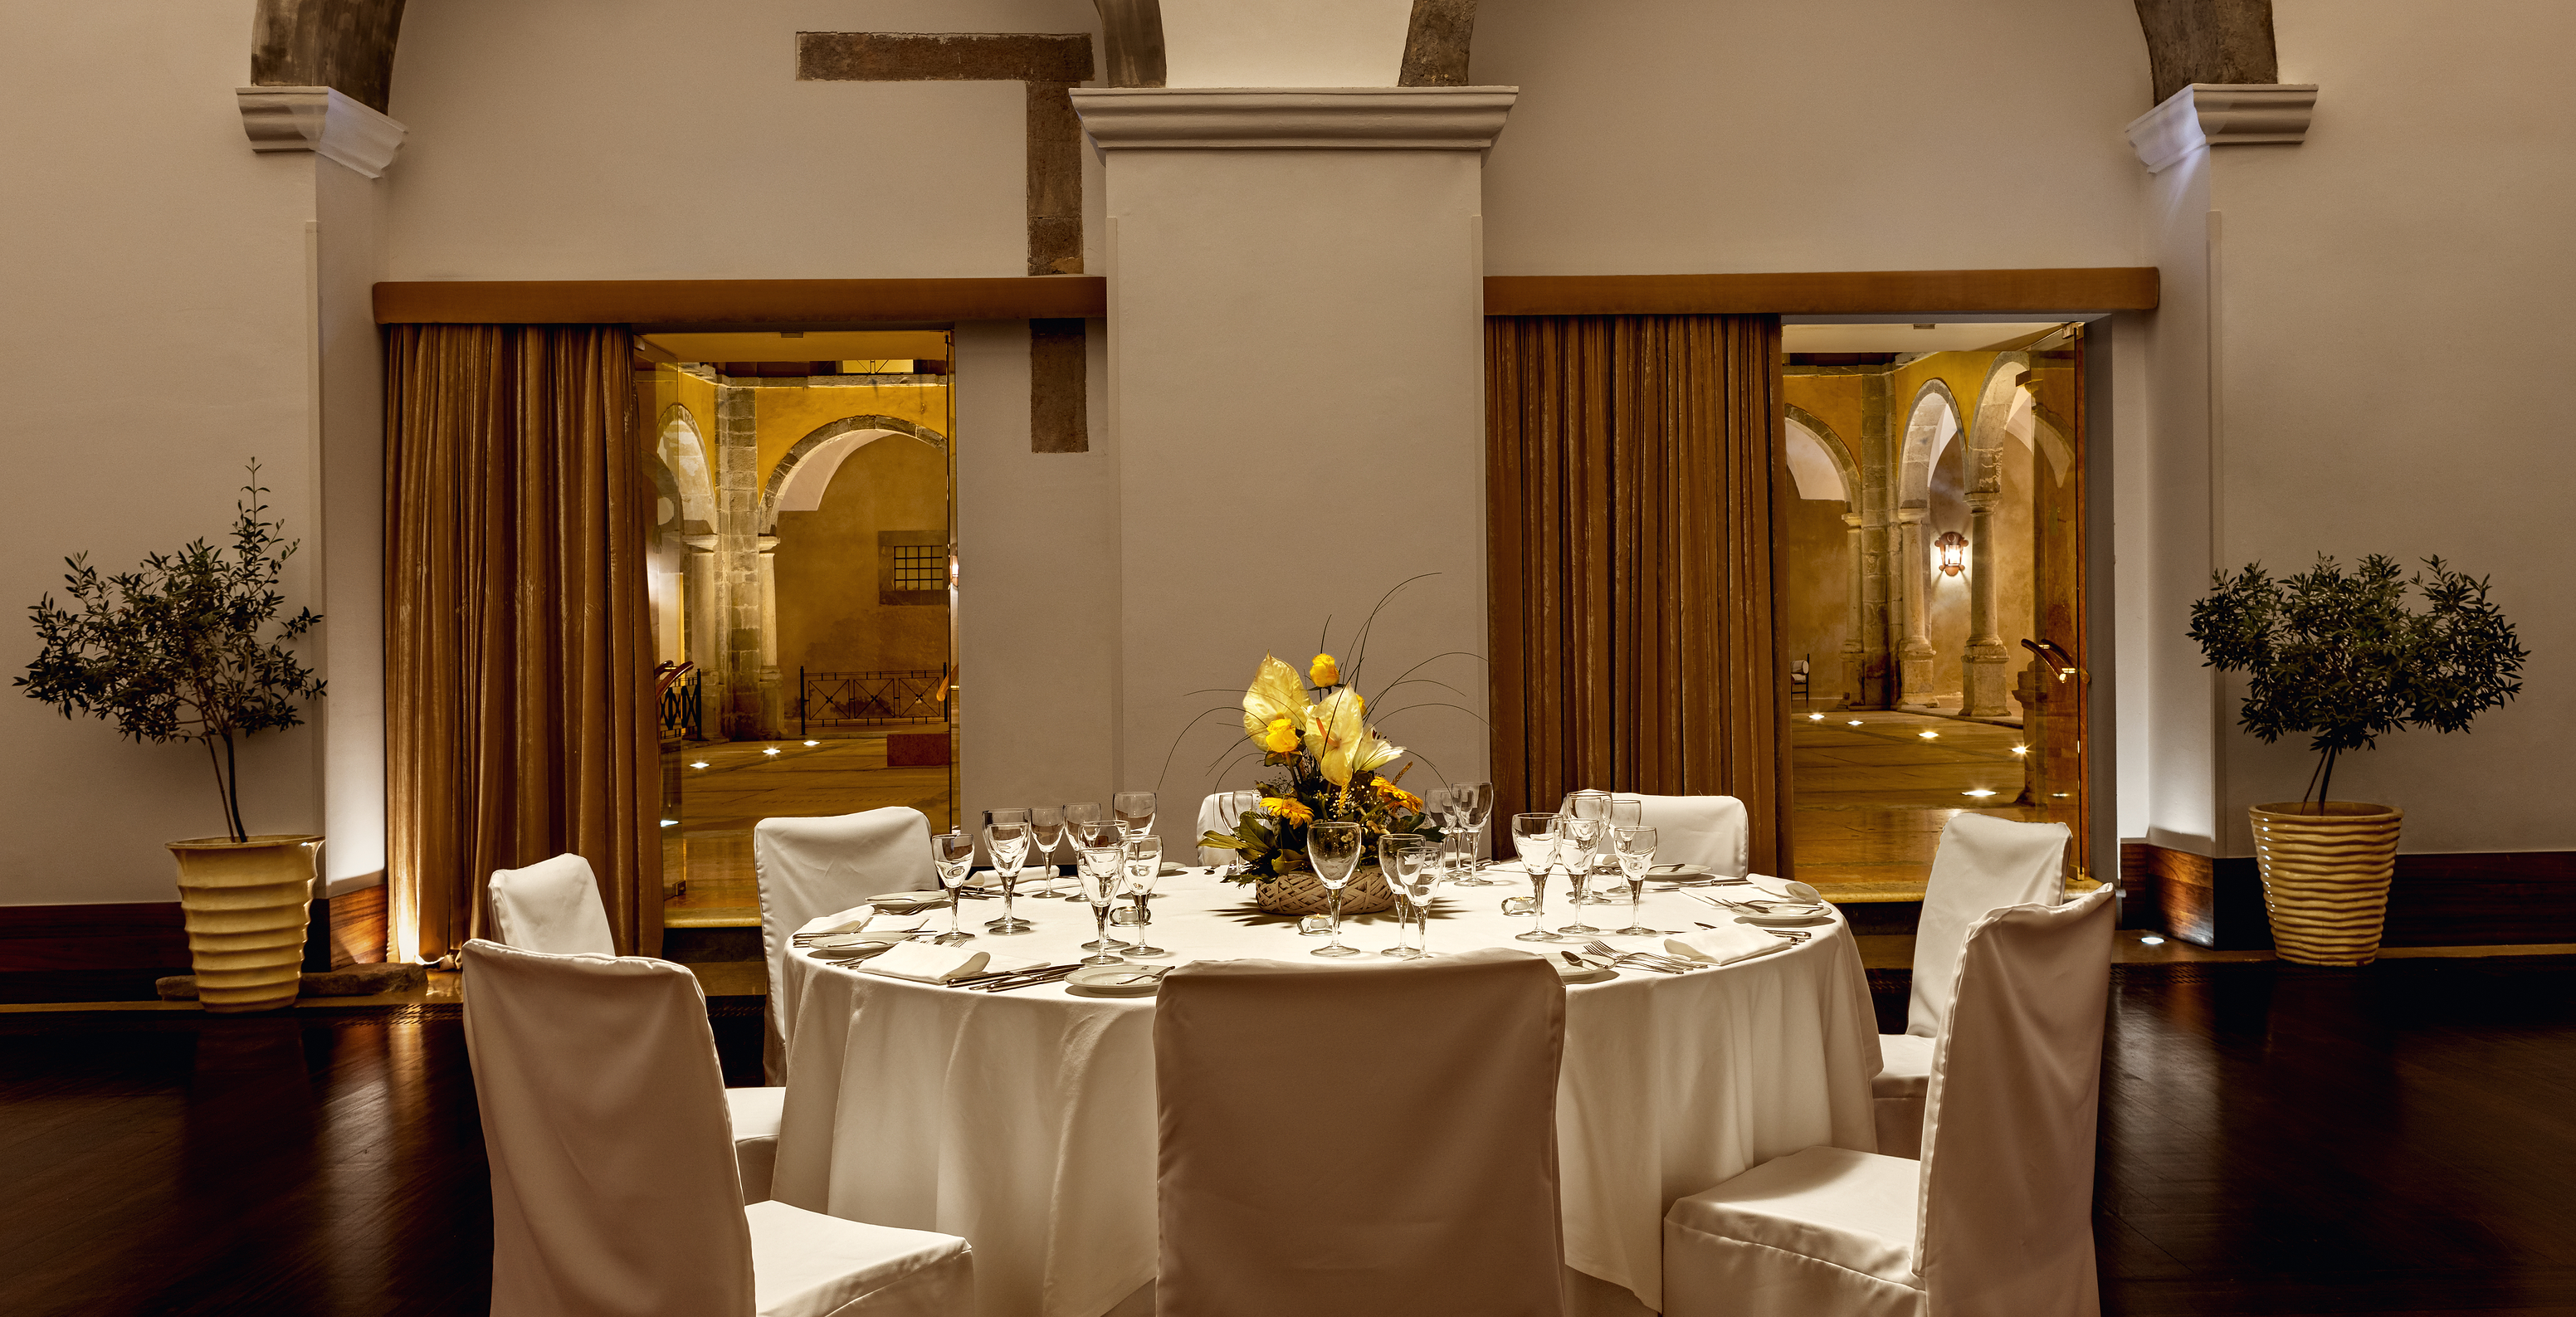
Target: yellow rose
1325,670
1280,737
1293,811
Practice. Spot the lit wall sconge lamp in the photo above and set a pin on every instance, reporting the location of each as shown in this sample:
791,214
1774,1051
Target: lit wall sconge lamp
1954,552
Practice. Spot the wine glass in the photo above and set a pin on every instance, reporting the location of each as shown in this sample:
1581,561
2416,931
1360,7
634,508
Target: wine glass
1075,815
1473,802
1099,832
1625,812
1135,809
1046,832
1100,870
1587,816
1334,849
1008,844
1535,839
953,855
1144,871
1635,848
1400,855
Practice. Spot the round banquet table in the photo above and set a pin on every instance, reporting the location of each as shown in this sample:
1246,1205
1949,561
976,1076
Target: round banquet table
1025,1121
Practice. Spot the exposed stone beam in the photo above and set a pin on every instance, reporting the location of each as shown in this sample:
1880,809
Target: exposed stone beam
1435,44
2225,41
343,44
1133,31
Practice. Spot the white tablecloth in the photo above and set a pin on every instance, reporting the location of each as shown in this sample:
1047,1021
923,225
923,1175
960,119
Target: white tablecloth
1024,1121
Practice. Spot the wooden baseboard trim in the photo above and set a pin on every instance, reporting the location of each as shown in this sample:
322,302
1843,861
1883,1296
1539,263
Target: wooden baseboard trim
763,303
1835,292
113,950
2465,899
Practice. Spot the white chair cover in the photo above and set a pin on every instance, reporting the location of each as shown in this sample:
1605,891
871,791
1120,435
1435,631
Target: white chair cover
614,1191
1983,864
551,906
1216,814
1996,1220
1710,830
809,867
754,1114
1360,1140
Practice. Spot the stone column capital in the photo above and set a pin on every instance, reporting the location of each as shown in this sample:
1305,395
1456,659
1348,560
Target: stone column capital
1292,118
1852,519
1983,500
1910,516
322,121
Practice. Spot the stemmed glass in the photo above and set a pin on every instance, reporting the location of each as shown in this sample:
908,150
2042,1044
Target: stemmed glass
1586,818
1046,825
1075,815
1135,809
1401,856
1535,838
1144,870
1006,838
1473,803
1334,850
1101,869
1625,812
1635,848
953,855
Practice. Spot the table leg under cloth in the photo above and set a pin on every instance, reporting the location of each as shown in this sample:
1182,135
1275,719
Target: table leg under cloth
1025,1121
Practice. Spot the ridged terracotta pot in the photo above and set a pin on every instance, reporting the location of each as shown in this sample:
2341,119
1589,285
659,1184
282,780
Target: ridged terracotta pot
1302,893
2325,877
246,904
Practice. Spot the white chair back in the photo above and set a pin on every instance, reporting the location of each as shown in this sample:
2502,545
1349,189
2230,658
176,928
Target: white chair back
2006,1224
814,866
551,906
1360,1140
1983,864
1711,830
613,1182
1217,814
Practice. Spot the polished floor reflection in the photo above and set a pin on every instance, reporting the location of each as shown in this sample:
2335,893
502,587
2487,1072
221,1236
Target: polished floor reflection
743,783
1871,793
2275,1140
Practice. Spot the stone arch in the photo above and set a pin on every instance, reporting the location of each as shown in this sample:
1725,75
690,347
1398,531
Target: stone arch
1997,401
683,450
2046,436
797,483
1930,422
1807,433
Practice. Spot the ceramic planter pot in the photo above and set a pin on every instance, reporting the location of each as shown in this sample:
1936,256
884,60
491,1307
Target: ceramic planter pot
2325,877
1302,893
246,904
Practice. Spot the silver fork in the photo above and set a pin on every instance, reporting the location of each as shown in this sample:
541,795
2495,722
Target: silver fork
1666,964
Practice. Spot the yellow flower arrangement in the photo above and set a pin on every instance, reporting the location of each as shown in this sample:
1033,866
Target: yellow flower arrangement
1332,756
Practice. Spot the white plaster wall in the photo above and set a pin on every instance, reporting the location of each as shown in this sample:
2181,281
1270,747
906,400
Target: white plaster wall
347,243
2389,382
158,330
667,139
1284,43
1677,136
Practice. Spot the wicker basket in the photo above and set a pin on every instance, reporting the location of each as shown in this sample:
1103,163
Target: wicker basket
2325,877
1302,893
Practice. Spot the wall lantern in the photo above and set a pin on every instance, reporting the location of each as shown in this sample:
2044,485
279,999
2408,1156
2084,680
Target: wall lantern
1954,552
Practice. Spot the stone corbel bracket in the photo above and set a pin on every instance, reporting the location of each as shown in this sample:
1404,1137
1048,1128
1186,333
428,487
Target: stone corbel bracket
1277,119
320,120
2222,114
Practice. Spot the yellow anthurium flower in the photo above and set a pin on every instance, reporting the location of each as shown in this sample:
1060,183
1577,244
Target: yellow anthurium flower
1326,670
1341,742
1275,693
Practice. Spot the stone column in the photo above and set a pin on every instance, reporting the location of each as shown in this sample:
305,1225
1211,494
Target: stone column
1855,655
1982,694
1245,225
773,710
738,594
1915,655
1878,606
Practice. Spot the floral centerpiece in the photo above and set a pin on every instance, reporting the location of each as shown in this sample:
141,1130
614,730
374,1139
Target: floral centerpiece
1331,764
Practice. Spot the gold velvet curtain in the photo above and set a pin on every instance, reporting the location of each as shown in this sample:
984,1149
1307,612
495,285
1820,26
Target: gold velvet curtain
1628,486
521,719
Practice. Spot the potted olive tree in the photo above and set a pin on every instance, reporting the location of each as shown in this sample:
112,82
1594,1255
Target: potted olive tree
2343,660
182,649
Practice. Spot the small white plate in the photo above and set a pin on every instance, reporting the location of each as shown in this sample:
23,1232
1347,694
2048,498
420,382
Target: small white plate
1585,973
1115,981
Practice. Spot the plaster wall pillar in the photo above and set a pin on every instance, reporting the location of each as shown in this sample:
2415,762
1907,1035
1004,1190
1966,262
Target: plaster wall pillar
1855,655
1982,694
1915,654
1245,227
737,566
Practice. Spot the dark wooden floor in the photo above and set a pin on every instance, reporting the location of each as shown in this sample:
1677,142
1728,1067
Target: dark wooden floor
2396,1140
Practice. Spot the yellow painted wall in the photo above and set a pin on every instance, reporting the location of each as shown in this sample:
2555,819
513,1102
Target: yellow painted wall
787,415
829,618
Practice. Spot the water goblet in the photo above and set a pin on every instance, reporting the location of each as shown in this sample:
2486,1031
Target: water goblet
1535,839
1334,849
1008,844
1587,816
1635,848
1625,812
1135,809
1046,823
952,854
1100,869
1099,832
1400,855
1473,803
1420,883
1144,871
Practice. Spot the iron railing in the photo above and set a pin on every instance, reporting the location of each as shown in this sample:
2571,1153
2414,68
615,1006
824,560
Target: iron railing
865,699
683,710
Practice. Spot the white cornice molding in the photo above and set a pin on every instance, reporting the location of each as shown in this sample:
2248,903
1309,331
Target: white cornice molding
2222,114
1282,119
320,120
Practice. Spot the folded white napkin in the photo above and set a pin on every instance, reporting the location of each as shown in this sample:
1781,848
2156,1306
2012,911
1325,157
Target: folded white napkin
928,962
1723,945
858,917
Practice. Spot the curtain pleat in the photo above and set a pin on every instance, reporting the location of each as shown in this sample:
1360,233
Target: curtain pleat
1629,480
520,714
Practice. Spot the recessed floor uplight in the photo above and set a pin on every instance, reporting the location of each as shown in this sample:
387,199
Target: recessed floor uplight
770,751
813,743
2021,749
670,823
1853,723
1929,736
700,764
2059,795
1980,793
1815,717
2151,940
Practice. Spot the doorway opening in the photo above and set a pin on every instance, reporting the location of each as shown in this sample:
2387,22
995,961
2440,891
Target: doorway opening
1929,517
803,589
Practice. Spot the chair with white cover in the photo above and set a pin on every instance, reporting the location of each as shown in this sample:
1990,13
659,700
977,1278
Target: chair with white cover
1714,831
1217,814
1983,864
810,867
1360,1140
1996,1218
553,906
612,1191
